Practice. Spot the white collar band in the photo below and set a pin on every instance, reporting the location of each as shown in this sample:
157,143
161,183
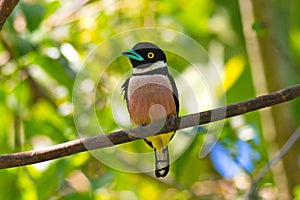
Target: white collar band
154,66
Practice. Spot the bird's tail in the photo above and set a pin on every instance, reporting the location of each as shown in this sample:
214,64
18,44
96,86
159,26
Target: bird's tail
161,161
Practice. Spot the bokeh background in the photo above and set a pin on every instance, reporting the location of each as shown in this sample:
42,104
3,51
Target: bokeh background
254,45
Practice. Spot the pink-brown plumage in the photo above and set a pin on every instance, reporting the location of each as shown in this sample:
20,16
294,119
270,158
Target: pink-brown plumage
151,102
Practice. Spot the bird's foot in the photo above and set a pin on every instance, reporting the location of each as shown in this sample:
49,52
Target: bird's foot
171,120
142,124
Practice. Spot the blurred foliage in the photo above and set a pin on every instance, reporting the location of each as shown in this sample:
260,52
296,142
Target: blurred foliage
42,46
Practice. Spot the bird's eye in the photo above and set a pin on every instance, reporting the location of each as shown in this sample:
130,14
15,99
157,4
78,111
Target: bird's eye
150,55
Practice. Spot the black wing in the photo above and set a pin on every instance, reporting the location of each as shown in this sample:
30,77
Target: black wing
175,92
124,88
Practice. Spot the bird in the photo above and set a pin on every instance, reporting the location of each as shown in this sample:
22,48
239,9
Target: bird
151,95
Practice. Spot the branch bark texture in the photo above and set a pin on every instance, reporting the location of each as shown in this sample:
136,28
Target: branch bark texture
123,136
6,7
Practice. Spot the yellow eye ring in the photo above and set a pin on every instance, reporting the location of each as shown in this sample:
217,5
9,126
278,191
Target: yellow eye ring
150,55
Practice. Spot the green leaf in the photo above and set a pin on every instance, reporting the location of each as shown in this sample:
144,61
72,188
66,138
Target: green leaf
9,188
258,26
34,14
51,125
2,94
19,46
102,181
34,128
58,69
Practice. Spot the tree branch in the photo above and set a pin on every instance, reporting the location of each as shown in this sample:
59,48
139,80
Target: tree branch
122,136
6,7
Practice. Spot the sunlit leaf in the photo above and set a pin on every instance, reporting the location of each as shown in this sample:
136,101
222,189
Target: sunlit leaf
58,69
297,192
233,70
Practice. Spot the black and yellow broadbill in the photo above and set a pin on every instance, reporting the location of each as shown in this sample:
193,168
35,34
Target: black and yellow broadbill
151,95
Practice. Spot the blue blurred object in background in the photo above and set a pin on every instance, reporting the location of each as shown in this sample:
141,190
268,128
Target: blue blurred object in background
230,161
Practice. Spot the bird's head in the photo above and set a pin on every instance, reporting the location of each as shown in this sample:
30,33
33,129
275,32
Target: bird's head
144,54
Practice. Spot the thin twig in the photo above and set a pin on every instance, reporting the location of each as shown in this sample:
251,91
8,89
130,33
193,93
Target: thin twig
122,136
285,148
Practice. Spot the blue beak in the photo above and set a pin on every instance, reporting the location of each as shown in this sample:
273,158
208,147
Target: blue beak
133,55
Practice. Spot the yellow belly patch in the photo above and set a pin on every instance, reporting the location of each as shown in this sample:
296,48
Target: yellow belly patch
160,141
